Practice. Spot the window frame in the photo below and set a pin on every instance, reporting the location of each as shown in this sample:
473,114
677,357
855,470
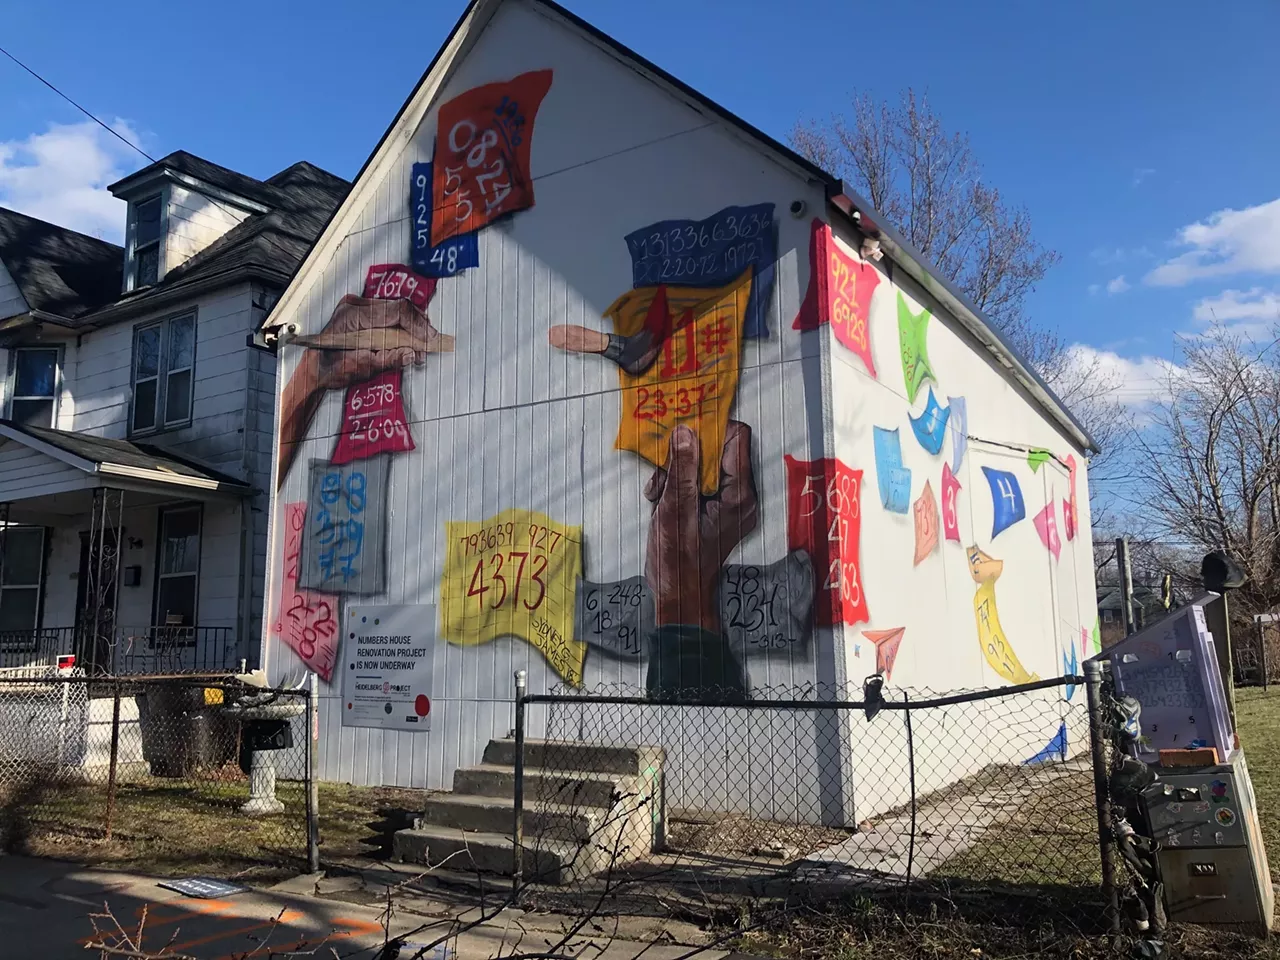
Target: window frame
159,424
131,274
11,385
42,576
189,628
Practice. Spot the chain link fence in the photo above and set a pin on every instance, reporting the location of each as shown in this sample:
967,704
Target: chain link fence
157,775
704,803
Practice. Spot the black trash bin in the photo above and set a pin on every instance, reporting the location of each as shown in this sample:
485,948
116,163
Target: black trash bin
181,734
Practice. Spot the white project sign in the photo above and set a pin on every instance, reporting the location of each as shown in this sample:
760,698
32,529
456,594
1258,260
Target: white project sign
386,667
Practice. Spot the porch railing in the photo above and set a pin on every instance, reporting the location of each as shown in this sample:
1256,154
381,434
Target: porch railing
125,650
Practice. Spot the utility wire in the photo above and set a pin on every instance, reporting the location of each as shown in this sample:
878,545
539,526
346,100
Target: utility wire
115,133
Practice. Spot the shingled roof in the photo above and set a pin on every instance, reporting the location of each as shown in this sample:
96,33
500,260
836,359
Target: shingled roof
78,278
59,271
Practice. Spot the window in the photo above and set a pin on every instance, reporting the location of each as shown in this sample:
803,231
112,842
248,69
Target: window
164,358
1108,616
20,580
35,386
146,241
178,567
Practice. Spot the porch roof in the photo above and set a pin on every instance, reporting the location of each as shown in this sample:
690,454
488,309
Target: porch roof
113,463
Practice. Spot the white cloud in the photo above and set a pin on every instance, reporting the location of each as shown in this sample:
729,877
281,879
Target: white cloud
1237,306
1095,288
1228,242
1135,382
1141,173
61,176
1118,285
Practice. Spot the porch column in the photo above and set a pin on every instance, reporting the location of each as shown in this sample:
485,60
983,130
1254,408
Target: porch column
105,526
4,531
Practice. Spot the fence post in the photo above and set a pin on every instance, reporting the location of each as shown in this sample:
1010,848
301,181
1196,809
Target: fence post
115,753
911,772
1262,652
313,788
1101,790
517,833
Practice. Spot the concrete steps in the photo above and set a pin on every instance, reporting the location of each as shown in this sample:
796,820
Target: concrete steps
584,804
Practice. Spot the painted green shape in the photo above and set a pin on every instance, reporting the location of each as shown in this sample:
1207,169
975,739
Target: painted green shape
912,330
1097,635
1037,456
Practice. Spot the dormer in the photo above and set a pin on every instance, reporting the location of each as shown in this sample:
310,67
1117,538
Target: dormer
177,207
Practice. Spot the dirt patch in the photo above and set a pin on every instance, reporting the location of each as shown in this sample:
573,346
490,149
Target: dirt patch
736,836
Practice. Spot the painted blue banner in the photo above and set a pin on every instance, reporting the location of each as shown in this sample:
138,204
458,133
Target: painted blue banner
959,431
930,427
894,479
711,253
447,259
1006,500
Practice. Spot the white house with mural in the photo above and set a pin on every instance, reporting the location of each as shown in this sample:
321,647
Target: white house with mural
136,418
589,378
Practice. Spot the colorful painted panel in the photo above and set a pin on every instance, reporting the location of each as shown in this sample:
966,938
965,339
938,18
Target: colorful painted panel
913,341
959,427
926,522
824,519
305,620
711,253
887,643
344,549
514,574
483,141
373,420
839,293
894,479
950,491
448,259
991,636
1006,500
691,381
1046,523
930,427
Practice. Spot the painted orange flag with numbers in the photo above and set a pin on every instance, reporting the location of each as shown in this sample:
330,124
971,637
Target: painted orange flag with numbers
695,376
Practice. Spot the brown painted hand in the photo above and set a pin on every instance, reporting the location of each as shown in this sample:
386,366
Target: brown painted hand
691,536
365,337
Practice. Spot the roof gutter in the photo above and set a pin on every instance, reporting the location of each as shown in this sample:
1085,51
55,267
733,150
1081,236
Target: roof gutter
864,217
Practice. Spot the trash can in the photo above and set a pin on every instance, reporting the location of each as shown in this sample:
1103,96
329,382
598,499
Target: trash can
181,734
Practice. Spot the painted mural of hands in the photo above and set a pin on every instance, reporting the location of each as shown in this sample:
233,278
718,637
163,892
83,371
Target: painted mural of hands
691,536
364,337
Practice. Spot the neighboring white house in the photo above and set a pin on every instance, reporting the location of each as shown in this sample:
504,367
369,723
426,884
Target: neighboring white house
694,418
136,432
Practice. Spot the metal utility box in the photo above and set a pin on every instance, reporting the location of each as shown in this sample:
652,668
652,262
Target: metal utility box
1213,862
1171,668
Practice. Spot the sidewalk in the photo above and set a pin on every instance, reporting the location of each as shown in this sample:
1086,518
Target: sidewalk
45,907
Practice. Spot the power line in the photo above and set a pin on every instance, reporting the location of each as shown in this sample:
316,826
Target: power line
115,133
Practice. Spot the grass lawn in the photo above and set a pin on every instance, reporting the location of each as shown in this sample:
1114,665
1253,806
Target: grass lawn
180,827
1258,724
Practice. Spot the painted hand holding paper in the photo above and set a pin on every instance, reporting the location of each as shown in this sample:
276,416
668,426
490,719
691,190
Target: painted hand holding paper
1006,500
483,142
824,518
930,427
950,491
991,636
691,382
926,517
913,342
711,253
514,574
307,621
893,478
1046,523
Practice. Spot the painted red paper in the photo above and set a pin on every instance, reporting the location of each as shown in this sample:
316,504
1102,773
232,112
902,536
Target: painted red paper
950,490
1046,525
373,419
887,643
840,288
481,166
926,519
1069,515
305,620
395,281
824,519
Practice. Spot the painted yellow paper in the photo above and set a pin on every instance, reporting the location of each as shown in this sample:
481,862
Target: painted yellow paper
514,574
694,377
991,636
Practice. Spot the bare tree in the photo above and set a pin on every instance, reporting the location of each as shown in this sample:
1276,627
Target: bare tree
1208,464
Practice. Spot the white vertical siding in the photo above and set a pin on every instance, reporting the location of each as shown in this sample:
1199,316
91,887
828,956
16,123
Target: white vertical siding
194,222
12,302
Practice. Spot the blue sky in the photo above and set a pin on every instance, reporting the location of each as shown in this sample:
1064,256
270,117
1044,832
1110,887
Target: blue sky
1126,129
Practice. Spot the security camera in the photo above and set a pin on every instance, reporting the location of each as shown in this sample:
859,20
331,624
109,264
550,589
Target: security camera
798,207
